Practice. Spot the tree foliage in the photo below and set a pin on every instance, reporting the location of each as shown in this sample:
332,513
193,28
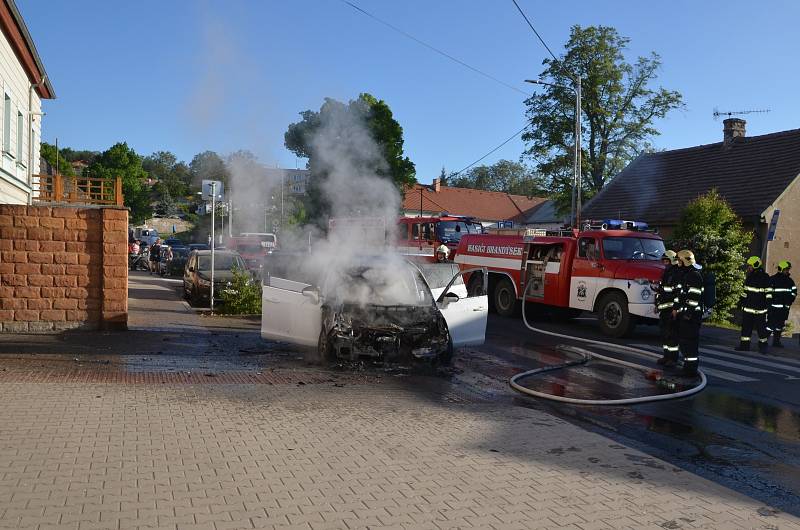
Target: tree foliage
503,175
48,152
173,177
619,109
348,121
207,165
121,161
709,227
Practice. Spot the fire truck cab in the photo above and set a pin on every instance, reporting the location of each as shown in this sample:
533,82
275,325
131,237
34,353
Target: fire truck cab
418,237
606,269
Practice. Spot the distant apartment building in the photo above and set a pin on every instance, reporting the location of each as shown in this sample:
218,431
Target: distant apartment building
295,180
24,84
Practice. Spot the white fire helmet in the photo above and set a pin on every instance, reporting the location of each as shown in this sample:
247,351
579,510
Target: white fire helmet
442,249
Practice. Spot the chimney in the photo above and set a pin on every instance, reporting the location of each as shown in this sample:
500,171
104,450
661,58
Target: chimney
437,185
732,128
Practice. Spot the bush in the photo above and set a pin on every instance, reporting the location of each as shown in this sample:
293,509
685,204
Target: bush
710,228
243,297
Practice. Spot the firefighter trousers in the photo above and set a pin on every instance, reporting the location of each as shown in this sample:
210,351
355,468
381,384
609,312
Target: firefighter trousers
777,320
758,323
668,327
689,342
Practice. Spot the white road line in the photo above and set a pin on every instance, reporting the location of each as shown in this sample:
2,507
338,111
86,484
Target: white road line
726,375
754,354
708,359
751,359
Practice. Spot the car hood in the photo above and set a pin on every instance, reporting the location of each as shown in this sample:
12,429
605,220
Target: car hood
635,270
219,276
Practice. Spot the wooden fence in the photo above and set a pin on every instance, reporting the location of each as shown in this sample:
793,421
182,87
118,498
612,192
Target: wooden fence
79,190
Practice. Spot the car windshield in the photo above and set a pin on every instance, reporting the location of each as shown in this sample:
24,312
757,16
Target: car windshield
180,252
453,230
222,262
384,286
250,249
639,248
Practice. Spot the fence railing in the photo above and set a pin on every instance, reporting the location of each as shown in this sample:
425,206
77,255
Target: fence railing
78,190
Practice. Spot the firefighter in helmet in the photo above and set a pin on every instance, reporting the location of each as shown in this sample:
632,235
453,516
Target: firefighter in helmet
689,311
666,291
784,291
756,299
442,252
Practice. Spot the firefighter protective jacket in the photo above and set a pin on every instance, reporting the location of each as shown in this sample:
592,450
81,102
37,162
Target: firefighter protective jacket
784,291
690,295
757,294
667,291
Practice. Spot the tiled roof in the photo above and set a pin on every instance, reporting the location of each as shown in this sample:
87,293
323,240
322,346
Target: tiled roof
750,173
483,205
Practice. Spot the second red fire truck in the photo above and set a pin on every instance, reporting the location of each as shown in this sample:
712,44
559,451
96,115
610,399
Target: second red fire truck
606,269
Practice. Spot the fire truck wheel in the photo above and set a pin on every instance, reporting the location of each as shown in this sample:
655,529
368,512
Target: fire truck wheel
612,312
475,285
505,299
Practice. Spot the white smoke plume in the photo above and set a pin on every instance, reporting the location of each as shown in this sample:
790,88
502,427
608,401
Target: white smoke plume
344,149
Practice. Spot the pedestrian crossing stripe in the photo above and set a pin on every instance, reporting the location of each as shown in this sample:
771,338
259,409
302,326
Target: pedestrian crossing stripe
709,358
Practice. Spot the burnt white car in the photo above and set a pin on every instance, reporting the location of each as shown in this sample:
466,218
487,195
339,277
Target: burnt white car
380,309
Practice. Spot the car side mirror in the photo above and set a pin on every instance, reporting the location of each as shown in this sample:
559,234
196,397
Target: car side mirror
312,293
451,297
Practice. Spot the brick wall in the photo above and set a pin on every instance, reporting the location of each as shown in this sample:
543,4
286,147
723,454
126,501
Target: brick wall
63,267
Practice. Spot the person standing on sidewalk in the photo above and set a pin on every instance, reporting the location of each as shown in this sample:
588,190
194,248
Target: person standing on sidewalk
784,291
666,293
689,311
756,298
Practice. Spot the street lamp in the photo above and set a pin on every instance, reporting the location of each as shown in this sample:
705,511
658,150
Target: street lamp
575,213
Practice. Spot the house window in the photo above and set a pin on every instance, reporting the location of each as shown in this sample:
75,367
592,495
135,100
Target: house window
7,125
19,136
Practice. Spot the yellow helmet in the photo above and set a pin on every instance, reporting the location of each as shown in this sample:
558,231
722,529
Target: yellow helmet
671,256
754,261
784,265
686,257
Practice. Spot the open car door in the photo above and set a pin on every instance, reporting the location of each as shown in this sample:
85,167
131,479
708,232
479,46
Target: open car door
466,316
290,312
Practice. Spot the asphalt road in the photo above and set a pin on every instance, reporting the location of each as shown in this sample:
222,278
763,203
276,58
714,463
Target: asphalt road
743,430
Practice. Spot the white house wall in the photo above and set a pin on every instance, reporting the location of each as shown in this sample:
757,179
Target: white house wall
15,173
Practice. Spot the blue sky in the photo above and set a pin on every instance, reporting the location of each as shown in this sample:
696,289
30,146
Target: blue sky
187,76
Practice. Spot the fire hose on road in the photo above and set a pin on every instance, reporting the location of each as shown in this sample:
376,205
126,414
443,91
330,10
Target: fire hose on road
586,355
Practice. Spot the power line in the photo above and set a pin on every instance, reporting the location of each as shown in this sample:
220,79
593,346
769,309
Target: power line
521,12
490,152
437,50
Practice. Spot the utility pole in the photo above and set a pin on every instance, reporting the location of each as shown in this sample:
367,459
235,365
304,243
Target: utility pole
213,220
578,175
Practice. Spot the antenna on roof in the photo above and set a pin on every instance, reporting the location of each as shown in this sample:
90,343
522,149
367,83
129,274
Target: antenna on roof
717,113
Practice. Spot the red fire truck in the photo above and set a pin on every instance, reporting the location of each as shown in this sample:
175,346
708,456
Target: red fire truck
607,269
418,237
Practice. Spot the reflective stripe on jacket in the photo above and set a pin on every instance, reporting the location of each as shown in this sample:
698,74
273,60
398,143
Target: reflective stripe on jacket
784,291
757,294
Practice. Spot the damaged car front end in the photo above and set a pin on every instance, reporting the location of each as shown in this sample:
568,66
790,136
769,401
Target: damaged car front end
384,310
393,333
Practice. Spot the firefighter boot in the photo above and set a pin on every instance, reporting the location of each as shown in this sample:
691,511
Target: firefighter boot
743,346
763,347
776,341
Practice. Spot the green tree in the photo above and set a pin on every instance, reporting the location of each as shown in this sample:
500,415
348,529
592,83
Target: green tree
618,107
73,155
710,228
207,165
503,175
48,152
443,177
121,161
166,206
172,176
345,123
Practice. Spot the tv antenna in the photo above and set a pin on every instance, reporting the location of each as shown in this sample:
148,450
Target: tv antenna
718,113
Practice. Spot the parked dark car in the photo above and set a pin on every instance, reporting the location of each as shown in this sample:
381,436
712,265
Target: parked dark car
176,266
197,274
174,242
198,246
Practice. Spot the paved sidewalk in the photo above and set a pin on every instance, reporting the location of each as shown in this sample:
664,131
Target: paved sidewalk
325,456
